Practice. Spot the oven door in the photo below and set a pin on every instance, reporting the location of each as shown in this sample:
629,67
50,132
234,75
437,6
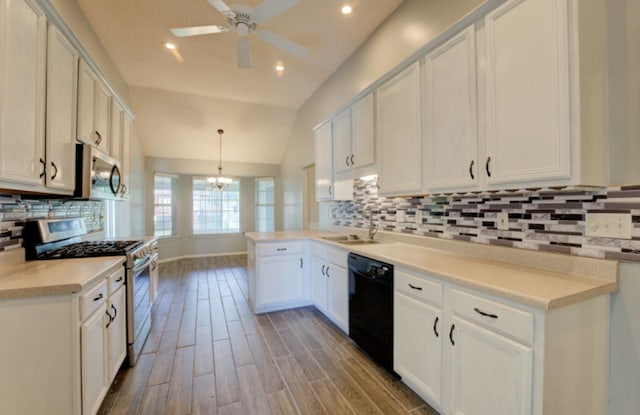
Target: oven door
139,305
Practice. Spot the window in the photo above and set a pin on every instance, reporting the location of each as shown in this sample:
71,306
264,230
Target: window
164,206
215,211
264,205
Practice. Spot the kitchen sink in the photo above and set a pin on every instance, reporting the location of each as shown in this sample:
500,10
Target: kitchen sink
342,238
359,242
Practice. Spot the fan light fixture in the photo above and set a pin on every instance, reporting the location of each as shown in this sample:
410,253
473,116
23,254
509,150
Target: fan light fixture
219,181
346,9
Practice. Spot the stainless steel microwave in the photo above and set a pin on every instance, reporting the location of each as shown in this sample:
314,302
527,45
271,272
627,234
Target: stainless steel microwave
97,175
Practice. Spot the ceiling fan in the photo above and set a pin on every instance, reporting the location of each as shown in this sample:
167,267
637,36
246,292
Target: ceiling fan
245,20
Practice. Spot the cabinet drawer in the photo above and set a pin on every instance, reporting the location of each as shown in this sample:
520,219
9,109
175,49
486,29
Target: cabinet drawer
116,280
319,250
280,248
93,299
337,256
514,322
418,287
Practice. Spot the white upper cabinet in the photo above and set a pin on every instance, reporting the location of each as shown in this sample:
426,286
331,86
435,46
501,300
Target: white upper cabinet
62,75
398,128
450,122
324,162
545,95
125,155
528,112
94,107
342,154
326,188
116,129
354,140
23,39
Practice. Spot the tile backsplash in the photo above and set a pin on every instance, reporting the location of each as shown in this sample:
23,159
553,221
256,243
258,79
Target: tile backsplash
15,210
538,220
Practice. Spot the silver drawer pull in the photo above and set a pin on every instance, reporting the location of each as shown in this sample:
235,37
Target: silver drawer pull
482,313
281,249
413,287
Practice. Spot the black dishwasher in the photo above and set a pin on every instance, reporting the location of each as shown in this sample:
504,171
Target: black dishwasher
371,308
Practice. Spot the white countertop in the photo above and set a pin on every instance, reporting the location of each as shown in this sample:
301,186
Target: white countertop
57,276
534,287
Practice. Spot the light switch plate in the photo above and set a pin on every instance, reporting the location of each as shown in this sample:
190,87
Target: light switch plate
502,221
400,216
609,225
419,217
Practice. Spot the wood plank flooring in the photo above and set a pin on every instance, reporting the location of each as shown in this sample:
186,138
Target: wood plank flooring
207,353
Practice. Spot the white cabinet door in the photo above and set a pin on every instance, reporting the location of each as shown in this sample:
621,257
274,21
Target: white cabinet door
23,31
451,138
338,296
342,155
102,110
281,279
363,132
93,337
418,347
127,130
319,283
115,139
62,75
86,104
94,109
116,306
398,127
324,163
528,114
489,374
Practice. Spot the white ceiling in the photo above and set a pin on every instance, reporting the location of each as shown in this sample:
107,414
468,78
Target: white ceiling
133,32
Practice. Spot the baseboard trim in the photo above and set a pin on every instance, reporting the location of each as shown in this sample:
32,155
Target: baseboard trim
162,261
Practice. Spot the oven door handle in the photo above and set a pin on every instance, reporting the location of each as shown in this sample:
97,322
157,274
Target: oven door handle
146,263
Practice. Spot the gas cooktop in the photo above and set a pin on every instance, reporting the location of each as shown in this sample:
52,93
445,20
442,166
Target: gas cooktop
90,249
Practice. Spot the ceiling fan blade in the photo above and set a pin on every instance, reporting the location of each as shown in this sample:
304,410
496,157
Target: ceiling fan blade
198,30
283,43
271,8
222,8
244,53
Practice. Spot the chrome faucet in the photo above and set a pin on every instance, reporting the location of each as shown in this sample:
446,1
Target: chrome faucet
373,228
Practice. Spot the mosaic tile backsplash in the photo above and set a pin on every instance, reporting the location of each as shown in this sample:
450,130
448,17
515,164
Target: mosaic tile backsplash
542,220
14,211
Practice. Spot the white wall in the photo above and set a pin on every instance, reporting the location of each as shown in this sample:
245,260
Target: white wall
414,24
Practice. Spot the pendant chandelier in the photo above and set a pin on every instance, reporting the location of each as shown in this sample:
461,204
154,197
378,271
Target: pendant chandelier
219,181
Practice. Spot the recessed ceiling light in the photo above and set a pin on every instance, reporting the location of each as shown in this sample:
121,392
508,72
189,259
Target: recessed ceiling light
169,45
279,67
346,9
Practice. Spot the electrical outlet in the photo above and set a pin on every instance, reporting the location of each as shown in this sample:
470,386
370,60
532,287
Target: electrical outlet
419,217
502,221
400,216
609,225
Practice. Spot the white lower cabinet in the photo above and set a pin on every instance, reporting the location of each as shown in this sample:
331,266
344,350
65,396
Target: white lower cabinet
330,283
417,350
60,352
93,337
280,277
490,374
470,353
103,338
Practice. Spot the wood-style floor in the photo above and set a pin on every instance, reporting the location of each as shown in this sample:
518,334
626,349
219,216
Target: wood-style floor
208,354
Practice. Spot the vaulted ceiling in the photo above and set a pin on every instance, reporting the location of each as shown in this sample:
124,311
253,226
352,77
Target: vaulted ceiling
180,105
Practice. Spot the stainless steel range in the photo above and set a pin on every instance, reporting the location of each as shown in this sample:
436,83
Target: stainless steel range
67,238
